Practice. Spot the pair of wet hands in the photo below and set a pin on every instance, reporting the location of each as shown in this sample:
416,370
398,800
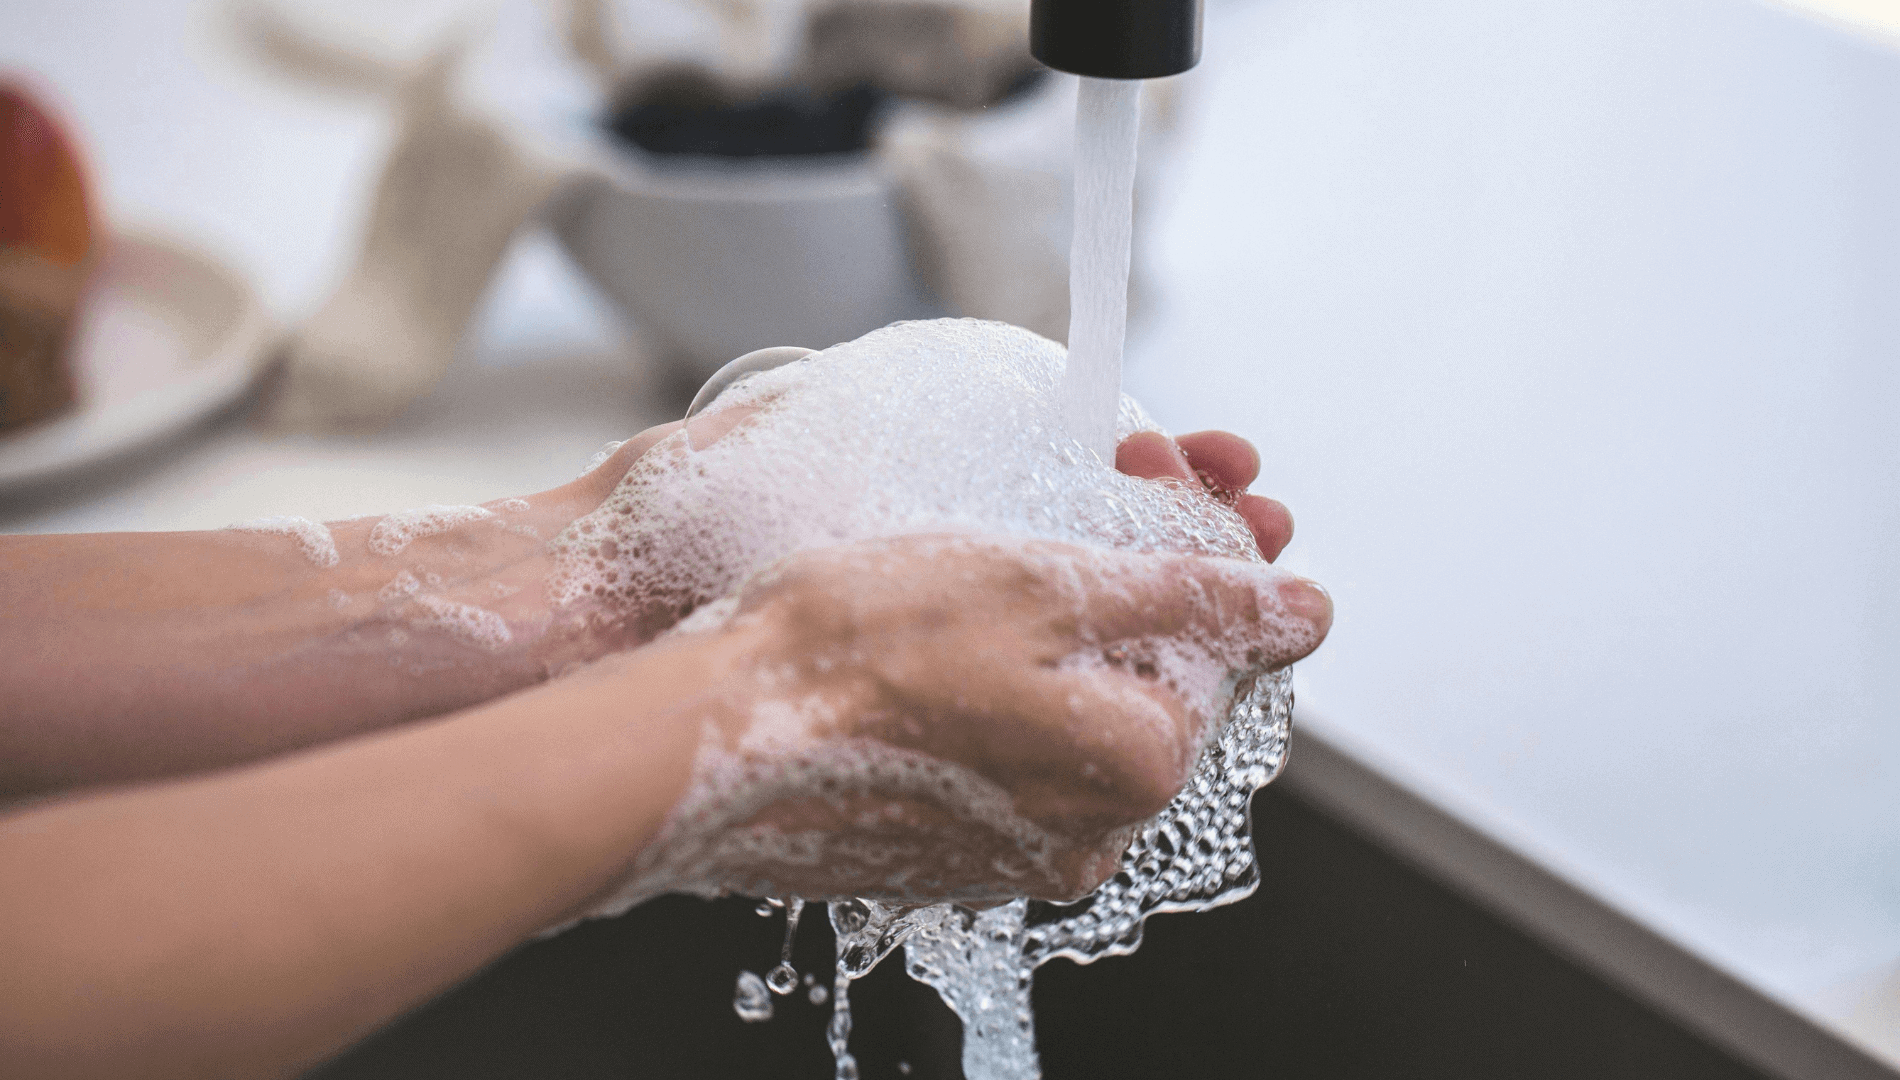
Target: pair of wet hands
963,650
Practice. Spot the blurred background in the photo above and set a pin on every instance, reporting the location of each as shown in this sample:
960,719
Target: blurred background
1568,330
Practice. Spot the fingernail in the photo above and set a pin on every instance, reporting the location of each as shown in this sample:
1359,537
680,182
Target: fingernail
1308,600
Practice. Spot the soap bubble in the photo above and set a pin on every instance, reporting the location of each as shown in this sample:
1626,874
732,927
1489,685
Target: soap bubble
313,538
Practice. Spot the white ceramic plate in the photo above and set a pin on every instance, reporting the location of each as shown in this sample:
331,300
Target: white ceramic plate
167,337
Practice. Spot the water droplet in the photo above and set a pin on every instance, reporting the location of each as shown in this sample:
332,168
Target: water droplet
751,1000
850,916
818,995
782,979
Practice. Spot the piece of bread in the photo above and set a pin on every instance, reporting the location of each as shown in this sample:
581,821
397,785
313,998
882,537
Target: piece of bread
46,255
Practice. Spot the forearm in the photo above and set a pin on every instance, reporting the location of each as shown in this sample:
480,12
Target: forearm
147,654
132,656
254,921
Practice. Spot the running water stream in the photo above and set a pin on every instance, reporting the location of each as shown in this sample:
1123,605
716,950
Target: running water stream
1198,852
1107,124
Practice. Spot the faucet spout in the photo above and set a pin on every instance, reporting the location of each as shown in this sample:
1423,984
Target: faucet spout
1116,39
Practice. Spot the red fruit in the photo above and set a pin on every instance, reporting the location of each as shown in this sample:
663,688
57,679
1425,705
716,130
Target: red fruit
45,257
43,203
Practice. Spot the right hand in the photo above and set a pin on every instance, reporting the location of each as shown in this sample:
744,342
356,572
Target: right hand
969,718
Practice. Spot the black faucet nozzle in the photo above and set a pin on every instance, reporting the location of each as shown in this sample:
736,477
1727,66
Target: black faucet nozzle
1116,39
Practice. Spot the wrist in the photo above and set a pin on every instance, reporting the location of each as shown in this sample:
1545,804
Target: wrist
612,748
458,595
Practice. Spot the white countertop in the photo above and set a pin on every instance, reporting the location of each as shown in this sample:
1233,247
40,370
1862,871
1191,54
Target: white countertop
1567,329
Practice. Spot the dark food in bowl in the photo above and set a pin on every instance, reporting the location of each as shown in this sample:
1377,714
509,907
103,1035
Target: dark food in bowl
859,55
686,111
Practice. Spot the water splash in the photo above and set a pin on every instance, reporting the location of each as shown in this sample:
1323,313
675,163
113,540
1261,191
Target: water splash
977,963
751,1000
838,1029
1195,855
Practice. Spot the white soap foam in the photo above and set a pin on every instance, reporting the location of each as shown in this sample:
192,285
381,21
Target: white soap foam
404,584
954,428
952,425
464,622
313,537
397,531
712,848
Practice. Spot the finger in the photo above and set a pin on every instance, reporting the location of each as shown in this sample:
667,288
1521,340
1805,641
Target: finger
585,493
1227,460
608,473
703,430
635,448
1130,745
1246,614
709,427
1151,455
1270,521
1082,746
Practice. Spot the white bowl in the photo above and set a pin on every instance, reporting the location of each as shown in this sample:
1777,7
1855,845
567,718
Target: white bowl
715,258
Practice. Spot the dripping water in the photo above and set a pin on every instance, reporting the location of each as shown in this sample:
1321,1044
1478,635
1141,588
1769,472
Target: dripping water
1195,855
750,999
783,979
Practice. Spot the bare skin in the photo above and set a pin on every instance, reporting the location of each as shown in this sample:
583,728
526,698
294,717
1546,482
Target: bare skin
147,655
987,686
221,918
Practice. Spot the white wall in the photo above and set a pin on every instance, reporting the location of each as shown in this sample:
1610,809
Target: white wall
1570,332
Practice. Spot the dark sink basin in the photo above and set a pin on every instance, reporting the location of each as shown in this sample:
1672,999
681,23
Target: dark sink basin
1349,962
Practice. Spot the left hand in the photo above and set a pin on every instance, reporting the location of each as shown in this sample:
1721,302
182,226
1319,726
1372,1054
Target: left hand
1221,463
